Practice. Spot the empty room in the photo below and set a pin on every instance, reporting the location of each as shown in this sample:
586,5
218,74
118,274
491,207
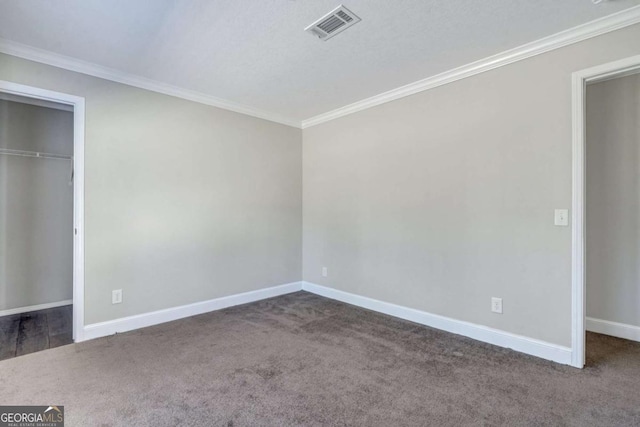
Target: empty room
314,213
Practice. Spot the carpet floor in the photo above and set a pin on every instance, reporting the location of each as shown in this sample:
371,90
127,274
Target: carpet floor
301,359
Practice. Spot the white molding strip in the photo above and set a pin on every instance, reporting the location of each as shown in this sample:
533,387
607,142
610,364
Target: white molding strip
130,323
582,32
5,96
493,336
620,330
31,53
35,307
577,34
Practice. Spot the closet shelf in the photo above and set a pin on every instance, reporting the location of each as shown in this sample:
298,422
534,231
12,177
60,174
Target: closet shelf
34,154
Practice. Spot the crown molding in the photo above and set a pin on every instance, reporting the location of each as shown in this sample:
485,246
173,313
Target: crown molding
31,53
577,34
573,35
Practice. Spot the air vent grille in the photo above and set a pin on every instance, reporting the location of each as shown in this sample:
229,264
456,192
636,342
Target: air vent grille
344,16
333,23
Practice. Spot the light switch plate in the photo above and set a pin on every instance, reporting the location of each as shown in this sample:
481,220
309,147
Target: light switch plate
561,217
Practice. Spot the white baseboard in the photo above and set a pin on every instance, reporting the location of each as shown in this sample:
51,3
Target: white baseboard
497,337
519,343
130,323
35,307
620,330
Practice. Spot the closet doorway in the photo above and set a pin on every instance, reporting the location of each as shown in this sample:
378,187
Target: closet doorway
41,219
605,226
612,218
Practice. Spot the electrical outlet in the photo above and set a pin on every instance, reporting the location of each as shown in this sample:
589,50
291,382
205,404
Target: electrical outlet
116,296
496,305
325,272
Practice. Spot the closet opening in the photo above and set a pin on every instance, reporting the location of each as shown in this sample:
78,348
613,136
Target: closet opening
606,211
41,205
612,218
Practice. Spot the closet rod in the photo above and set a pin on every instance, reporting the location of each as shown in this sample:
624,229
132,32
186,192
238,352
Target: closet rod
34,154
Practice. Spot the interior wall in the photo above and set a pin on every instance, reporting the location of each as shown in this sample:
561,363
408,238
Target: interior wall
437,201
613,200
183,202
36,207
444,199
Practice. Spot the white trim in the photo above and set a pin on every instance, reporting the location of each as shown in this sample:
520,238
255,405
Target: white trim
582,32
72,64
577,226
78,217
78,187
102,329
615,329
36,307
577,34
486,334
35,101
579,81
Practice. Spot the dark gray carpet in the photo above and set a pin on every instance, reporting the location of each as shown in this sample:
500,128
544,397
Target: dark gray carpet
301,359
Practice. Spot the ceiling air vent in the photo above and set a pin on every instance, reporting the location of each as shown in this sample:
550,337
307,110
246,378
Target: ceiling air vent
334,22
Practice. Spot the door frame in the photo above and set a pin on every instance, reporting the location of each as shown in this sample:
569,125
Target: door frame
580,80
78,104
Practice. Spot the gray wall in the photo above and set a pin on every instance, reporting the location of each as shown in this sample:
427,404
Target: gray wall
184,202
437,201
613,200
443,199
36,207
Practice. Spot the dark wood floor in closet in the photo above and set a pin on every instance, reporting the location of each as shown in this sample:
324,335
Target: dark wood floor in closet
34,331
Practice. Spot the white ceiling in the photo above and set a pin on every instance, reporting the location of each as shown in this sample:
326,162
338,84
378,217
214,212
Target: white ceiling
255,52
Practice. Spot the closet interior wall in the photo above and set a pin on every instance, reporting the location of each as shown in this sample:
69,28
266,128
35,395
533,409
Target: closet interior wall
613,206
36,205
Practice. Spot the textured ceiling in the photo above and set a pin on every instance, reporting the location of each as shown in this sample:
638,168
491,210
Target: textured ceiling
255,52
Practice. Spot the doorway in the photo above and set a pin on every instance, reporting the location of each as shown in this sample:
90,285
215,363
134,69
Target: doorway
606,232
42,221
